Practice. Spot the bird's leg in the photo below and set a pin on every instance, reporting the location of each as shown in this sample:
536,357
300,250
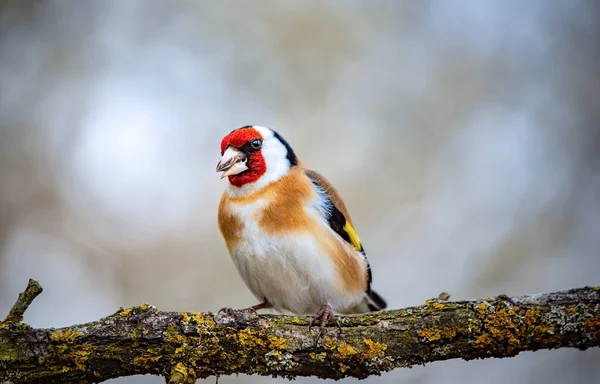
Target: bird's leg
323,316
265,304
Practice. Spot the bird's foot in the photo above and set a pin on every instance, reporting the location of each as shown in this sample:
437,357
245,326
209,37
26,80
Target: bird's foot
228,311
265,304
238,314
323,316
237,317
252,309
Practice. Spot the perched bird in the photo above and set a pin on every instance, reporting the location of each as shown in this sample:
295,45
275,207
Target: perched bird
288,231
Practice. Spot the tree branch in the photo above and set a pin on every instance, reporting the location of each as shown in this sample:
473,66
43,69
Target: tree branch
183,346
25,298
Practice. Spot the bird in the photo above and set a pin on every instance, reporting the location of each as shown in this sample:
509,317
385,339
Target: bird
289,233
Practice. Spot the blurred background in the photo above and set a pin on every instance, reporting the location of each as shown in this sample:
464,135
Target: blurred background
464,137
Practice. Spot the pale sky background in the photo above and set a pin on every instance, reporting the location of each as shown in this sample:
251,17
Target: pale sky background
463,136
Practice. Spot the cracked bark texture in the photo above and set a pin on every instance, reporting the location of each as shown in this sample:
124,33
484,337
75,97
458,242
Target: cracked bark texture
184,346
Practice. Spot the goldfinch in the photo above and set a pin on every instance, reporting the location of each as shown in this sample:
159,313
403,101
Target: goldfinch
288,231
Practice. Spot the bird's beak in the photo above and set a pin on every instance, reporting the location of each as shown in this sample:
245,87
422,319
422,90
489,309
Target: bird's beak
232,163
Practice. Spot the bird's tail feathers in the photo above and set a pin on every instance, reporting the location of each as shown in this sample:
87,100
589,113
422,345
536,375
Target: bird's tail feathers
375,302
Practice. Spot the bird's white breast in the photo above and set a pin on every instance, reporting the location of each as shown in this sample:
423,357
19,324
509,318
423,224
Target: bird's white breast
292,271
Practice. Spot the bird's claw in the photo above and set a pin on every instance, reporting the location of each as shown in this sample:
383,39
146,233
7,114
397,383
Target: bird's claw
227,316
226,310
323,316
232,312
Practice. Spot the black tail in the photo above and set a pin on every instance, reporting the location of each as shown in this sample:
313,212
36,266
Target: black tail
375,302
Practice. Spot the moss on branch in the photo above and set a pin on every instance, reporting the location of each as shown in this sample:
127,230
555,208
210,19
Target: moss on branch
184,346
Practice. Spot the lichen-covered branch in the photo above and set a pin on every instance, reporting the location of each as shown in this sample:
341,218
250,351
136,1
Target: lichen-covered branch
184,346
25,298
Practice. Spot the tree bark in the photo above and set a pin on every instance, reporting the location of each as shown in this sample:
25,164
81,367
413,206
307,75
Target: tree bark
184,346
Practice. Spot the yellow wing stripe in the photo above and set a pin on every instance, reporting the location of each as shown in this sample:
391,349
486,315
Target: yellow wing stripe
353,236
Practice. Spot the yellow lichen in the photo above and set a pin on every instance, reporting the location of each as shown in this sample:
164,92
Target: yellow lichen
67,355
344,351
374,349
67,336
248,338
113,350
536,326
180,368
448,333
434,303
592,326
277,342
570,311
180,351
328,343
501,325
125,312
250,343
203,321
133,337
320,357
482,341
172,336
482,310
187,376
185,318
530,317
80,355
507,327
430,302
432,334
144,361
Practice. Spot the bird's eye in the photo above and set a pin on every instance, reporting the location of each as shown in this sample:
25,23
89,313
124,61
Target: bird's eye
256,143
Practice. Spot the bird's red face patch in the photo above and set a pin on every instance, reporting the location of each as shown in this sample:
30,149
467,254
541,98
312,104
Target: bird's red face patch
241,139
